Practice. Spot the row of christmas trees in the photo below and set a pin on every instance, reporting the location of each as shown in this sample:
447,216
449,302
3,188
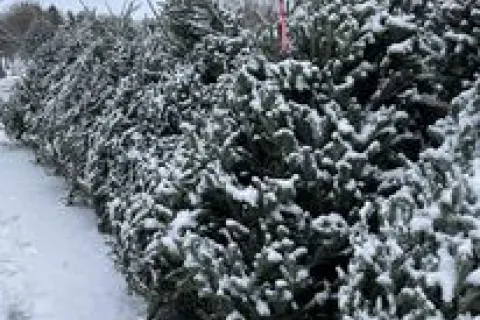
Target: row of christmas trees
242,184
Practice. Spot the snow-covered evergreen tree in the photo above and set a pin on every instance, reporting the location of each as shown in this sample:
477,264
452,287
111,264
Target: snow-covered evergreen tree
242,184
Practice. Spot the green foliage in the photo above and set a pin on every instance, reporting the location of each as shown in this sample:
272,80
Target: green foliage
238,184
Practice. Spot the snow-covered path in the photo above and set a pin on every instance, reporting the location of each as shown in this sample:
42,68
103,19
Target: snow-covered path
54,265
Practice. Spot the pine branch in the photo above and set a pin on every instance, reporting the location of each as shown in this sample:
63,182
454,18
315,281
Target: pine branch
152,8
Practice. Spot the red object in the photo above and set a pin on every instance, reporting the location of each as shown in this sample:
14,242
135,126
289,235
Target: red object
282,16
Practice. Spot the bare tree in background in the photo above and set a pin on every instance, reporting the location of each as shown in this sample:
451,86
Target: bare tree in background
20,17
24,25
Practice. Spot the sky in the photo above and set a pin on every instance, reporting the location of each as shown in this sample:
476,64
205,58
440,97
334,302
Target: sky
75,5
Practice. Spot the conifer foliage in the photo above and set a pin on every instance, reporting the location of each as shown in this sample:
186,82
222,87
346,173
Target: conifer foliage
238,183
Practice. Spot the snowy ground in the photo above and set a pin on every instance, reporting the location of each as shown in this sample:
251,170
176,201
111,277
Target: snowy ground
54,265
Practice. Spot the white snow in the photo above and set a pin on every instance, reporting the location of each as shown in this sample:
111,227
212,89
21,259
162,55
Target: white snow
474,278
476,177
302,275
273,255
403,47
6,85
445,276
423,221
375,23
402,22
247,195
54,264
262,308
237,226
184,218
345,127
235,315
